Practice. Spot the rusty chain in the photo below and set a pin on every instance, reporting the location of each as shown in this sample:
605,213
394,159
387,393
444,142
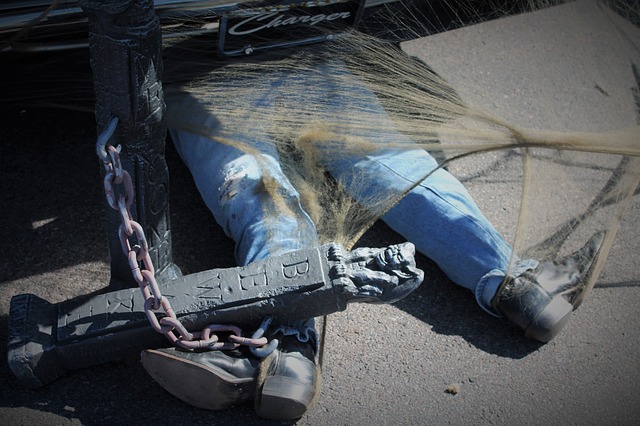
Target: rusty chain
119,191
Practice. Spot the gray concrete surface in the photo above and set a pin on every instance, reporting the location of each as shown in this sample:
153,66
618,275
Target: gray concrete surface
564,68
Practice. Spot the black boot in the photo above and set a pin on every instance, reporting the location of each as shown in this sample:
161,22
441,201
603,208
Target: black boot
289,380
541,300
213,380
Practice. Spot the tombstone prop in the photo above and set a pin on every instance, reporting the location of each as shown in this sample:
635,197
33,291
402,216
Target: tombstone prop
46,340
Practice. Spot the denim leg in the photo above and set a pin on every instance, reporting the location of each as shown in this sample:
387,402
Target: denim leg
438,215
229,182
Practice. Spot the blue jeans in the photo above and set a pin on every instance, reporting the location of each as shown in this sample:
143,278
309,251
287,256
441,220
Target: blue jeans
438,215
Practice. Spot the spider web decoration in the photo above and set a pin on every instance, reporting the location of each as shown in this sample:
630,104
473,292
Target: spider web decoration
316,105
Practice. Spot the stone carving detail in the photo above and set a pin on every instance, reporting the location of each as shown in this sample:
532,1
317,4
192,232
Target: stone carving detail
378,275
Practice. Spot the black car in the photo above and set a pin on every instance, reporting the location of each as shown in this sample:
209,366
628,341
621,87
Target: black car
235,27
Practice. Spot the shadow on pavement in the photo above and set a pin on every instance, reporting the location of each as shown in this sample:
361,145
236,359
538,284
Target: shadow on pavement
452,310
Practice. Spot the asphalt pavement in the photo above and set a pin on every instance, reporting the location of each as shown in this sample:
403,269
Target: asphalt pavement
434,358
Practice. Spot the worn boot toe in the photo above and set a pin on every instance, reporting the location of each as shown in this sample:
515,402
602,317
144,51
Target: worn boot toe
541,300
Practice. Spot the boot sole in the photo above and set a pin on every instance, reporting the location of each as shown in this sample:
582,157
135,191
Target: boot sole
201,386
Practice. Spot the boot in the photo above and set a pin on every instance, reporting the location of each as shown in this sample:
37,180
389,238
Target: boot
212,380
285,384
289,380
541,300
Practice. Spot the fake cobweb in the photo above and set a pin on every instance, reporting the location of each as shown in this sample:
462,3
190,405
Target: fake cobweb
545,186
315,105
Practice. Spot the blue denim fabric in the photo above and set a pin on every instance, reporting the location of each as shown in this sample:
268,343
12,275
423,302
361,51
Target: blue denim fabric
229,182
438,215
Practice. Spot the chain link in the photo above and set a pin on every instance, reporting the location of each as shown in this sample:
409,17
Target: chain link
119,191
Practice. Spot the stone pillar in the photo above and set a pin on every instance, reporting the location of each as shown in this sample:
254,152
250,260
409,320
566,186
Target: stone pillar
126,58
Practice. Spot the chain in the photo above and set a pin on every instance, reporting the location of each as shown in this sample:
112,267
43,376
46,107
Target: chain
118,187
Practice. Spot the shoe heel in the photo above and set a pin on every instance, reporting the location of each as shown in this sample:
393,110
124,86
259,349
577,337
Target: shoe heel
550,320
284,398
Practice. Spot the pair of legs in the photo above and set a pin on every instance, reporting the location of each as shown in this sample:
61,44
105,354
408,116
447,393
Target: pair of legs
437,215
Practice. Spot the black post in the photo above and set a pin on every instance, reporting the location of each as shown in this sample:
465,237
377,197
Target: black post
126,58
